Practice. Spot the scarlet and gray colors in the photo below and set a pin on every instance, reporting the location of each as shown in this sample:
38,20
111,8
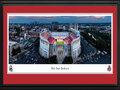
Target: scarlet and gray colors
61,44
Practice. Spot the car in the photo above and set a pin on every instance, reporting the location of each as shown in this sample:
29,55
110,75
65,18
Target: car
104,52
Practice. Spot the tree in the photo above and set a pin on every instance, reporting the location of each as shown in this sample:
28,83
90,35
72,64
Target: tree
68,60
53,59
18,31
16,51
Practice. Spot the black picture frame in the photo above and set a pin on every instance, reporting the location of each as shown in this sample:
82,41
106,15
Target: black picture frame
59,3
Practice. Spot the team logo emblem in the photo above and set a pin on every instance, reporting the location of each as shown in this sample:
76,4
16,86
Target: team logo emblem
10,68
109,68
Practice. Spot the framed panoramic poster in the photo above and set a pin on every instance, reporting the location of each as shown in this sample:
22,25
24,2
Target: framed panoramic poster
60,44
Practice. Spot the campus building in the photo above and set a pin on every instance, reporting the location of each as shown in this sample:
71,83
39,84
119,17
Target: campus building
61,44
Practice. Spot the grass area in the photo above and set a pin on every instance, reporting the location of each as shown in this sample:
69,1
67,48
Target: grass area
59,43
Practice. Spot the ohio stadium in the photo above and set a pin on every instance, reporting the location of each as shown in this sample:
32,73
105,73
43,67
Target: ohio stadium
60,43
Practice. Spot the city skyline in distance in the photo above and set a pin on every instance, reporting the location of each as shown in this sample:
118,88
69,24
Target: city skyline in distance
60,19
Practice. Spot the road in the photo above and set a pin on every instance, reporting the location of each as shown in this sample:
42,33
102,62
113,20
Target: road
98,59
32,56
88,50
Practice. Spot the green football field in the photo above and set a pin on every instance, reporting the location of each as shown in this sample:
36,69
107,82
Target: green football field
59,43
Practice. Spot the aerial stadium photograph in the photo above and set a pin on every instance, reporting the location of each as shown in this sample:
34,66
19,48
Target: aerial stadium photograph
60,39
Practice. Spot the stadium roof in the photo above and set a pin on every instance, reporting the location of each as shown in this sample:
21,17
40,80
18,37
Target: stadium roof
51,40
73,36
68,40
45,35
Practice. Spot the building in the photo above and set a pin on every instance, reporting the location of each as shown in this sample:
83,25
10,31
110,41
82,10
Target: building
76,26
61,44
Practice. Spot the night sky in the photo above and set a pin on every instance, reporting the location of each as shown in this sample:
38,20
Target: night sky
60,19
